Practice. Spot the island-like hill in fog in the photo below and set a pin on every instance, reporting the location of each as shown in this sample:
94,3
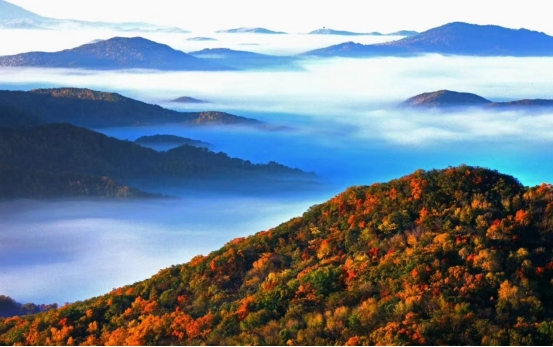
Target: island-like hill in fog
115,54
95,109
188,100
161,139
453,99
16,17
460,256
445,98
61,160
249,30
456,38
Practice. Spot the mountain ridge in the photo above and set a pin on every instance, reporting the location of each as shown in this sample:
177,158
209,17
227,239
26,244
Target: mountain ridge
95,109
456,38
113,54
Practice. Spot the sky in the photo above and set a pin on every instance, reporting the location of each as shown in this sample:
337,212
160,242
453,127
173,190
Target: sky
302,16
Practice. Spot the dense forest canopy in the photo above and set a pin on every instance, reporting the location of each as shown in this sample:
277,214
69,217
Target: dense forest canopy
455,256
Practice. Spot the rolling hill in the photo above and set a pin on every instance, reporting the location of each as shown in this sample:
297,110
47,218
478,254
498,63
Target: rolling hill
94,109
456,38
115,54
460,256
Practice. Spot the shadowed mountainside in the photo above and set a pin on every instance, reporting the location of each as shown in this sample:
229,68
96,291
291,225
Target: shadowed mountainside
61,160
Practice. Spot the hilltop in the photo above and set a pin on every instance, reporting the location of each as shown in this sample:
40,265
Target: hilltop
95,109
456,38
114,54
460,256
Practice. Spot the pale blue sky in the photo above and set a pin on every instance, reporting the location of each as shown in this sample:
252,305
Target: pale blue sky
302,15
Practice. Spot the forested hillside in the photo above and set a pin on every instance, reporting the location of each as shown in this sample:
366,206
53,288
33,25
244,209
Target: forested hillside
455,256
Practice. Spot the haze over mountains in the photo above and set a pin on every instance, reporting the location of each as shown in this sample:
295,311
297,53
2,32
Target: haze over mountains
454,38
15,17
244,60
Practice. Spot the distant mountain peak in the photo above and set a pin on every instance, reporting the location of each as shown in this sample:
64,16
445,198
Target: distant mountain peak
328,31
9,11
250,30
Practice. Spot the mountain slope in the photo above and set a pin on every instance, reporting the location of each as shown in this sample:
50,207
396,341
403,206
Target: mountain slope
94,109
460,256
454,38
113,54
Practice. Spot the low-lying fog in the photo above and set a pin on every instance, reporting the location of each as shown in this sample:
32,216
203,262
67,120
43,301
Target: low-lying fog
344,124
